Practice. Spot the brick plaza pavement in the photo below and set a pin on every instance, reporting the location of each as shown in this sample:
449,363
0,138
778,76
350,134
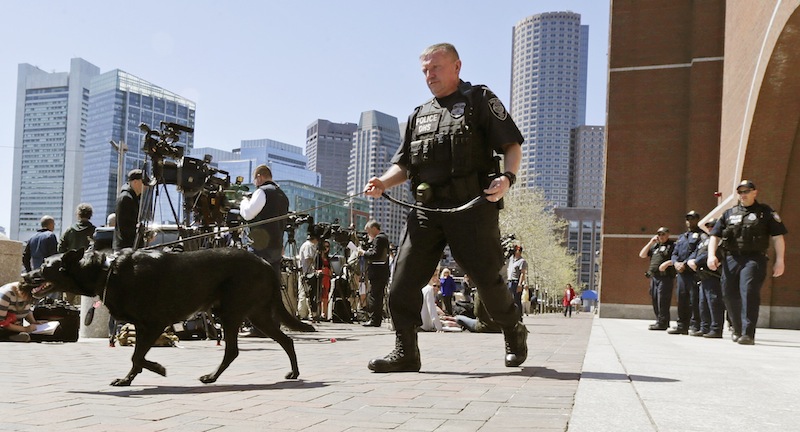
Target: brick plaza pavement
463,385
582,374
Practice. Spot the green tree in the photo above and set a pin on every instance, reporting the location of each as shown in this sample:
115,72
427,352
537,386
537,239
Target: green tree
527,215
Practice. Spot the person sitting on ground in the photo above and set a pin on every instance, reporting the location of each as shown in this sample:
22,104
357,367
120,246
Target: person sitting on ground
15,304
482,323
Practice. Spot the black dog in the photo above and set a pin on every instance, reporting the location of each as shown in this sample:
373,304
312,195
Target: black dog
152,290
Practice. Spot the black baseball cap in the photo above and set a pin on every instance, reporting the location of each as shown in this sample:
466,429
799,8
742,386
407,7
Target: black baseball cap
693,215
134,174
746,183
662,230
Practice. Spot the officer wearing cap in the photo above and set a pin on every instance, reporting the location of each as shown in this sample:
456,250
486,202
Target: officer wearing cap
688,292
744,234
448,154
127,211
712,309
661,274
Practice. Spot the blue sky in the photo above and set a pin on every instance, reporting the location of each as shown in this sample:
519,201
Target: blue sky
267,69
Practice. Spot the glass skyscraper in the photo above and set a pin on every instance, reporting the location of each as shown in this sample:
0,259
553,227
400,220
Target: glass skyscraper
548,97
50,132
119,102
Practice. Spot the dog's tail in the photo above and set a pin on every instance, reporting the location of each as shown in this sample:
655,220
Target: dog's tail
292,321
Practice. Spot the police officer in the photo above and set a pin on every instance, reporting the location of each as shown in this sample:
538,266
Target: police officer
448,153
712,308
377,257
688,291
744,233
268,201
661,274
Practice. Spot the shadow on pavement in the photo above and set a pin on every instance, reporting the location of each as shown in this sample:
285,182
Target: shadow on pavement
211,388
605,376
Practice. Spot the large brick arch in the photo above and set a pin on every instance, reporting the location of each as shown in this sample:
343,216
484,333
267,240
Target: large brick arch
772,156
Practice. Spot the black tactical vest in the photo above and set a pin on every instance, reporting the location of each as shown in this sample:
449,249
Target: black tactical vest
445,151
746,231
269,236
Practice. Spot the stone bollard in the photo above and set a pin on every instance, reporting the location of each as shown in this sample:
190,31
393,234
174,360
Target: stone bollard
10,260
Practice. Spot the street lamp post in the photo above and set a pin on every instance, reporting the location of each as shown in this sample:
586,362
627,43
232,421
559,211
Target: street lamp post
121,148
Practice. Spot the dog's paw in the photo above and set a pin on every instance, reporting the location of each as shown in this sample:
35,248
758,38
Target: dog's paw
293,375
121,382
208,379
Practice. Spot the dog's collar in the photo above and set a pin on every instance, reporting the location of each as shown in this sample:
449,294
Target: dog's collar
108,266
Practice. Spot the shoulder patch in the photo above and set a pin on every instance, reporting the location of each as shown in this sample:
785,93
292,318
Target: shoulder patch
776,217
498,109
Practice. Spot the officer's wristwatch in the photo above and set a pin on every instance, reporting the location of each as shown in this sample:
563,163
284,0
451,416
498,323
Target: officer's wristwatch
512,178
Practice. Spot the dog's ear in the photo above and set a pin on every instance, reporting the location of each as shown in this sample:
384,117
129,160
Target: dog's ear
71,256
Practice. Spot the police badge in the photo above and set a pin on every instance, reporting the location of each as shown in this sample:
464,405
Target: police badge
458,109
498,109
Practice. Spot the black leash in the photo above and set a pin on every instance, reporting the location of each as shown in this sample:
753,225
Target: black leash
466,206
249,225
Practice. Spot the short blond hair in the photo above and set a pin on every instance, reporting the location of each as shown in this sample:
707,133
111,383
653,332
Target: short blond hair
446,47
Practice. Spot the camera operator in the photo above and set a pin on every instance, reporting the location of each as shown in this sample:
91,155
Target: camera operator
378,271
268,201
308,254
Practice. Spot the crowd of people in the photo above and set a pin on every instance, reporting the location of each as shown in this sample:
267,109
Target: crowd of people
720,268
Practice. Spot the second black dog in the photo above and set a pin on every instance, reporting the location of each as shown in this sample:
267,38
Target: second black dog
152,290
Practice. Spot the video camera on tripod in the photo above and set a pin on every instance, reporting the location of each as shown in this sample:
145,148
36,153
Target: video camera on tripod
208,192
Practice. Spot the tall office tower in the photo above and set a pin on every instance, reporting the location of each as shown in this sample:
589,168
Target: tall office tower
586,182
548,97
118,103
328,148
374,143
49,138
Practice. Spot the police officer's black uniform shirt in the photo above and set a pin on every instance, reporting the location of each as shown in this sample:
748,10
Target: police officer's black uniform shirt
659,253
756,213
686,244
490,120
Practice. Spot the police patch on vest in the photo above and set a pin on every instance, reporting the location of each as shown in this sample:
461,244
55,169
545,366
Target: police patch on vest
751,216
458,109
498,109
427,123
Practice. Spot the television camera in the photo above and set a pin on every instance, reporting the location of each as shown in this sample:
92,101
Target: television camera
208,193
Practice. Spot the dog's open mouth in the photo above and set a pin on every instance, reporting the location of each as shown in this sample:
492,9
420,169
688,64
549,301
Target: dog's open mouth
41,290
36,284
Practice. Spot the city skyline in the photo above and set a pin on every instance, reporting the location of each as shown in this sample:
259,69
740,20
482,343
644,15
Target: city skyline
341,64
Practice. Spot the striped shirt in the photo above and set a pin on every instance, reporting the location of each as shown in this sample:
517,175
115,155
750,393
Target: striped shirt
10,302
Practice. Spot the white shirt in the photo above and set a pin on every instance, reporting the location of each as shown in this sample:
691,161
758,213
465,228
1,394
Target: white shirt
251,207
308,251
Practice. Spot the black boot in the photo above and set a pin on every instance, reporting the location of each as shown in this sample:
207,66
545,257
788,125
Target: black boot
404,358
516,345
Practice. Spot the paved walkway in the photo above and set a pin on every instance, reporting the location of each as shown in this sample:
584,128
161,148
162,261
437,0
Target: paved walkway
582,374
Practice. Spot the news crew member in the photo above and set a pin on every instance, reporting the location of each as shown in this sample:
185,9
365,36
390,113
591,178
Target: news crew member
377,257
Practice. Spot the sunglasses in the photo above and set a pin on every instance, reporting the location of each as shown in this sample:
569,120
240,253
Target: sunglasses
744,191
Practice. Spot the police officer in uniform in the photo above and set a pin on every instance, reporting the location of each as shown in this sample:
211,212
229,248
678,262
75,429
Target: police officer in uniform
744,233
448,153
661,274
712,309
688,291
377,257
